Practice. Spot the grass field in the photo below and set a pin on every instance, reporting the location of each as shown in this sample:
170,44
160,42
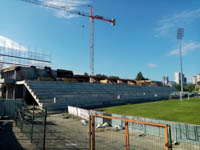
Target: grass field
187,111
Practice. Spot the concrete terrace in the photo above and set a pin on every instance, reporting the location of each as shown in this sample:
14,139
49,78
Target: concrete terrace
59,94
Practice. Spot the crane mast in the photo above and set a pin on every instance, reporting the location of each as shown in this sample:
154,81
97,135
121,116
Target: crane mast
91,16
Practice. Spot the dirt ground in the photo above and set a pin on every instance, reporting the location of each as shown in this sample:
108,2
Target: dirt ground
75,136
12,139
65,132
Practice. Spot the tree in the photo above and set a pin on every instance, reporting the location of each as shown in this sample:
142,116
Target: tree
189,87
140,77
178,87
114,77
86,74
197,88
101,76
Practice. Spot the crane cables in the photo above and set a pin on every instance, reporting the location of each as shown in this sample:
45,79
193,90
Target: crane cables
57,7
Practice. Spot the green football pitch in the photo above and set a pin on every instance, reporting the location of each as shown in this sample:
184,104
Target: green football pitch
186,111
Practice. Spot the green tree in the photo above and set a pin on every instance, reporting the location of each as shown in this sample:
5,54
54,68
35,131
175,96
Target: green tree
101,76
86,74
197,88
178,87
140,76
189,87
114,77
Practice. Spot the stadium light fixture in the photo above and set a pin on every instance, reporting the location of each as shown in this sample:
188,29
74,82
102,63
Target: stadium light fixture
180,33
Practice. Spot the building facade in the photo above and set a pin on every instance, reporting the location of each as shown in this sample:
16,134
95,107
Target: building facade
165,81
196,79
177,78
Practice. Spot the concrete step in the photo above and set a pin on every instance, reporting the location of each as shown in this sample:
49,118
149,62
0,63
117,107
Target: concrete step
52,96
88,85
73,93
72,99
84,94
67,90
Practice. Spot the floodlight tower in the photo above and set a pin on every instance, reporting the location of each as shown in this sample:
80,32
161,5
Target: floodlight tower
180,33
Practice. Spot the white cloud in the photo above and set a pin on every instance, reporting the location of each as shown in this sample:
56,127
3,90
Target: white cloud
152,65
70,5
186,48
11,48
175,21
8,43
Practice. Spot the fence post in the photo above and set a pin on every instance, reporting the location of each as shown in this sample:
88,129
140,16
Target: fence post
169,137
2,110
32,123
168,145
45,123
1,107
127,136
23,117
15,113
92,133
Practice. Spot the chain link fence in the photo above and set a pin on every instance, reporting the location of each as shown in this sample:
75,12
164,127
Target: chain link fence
32,122
47,131
121,138
41,130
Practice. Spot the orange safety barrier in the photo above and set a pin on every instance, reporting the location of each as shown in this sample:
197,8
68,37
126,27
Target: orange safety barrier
167,134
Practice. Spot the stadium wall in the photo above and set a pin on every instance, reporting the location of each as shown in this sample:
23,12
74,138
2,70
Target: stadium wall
7,107
180,131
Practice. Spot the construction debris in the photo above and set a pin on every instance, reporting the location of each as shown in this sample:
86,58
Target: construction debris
175,143
99,126
83,122
141,135
118,127
105,125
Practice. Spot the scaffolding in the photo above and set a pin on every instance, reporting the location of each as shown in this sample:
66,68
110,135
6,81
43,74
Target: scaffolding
17,57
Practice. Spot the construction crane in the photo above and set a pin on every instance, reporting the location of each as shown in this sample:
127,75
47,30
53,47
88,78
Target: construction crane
91,16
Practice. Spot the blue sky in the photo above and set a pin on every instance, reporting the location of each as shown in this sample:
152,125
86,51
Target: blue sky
144,38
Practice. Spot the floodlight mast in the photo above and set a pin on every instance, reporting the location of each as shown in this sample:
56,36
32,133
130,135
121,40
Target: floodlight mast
91,42
91,16
180,34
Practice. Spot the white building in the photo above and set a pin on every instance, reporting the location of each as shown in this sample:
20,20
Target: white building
177,78
165,80
196,79
171,83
